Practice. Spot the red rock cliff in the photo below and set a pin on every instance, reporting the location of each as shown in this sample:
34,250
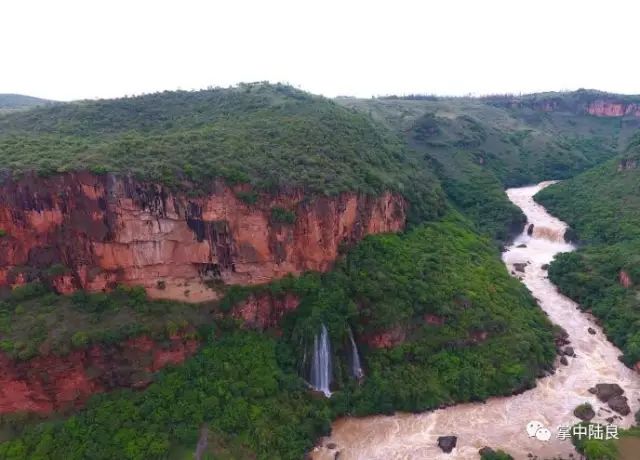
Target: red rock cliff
108,229
49,383
612,108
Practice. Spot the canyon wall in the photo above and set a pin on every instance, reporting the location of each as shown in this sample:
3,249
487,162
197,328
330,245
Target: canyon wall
605,106
86,231
52,383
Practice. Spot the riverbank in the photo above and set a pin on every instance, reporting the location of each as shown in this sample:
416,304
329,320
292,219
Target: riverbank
501,422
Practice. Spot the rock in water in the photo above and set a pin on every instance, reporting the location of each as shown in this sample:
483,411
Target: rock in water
545,266
584,412
619,404
569,351
606,391
447,443
519,267
591,331
564,360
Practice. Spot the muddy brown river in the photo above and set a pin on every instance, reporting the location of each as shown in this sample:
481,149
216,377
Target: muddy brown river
501,422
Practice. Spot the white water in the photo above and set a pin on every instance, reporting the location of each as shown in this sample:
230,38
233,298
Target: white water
321,363
356,366
500,422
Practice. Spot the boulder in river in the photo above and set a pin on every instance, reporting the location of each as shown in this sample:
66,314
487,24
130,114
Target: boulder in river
606,391
521,246
519,267
545,266
569,351
564,360
619,404
591,331
447,443
584,412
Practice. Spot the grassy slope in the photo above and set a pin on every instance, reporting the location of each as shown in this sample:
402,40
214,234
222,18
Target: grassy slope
603,206
245,386
272,136
11,102
478,148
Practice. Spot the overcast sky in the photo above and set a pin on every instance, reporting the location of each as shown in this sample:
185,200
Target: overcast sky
66,49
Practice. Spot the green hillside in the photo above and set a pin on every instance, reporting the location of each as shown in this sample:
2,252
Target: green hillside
12,102
603,207
246,387
478,147
271,136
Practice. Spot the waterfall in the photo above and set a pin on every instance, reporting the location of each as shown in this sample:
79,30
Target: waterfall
356,366
321,363
547,233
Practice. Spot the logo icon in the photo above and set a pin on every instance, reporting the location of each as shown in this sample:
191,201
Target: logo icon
537,430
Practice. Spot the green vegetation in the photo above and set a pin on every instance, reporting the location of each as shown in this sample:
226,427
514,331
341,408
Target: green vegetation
603,207
3,232
493,340
624,448
480,146
234,385
246,386
270,136
11,102
33,320
497,455
282,216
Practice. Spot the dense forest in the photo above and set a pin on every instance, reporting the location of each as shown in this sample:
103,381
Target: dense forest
603,207
464,329
246,387
13,102
270,136
478,147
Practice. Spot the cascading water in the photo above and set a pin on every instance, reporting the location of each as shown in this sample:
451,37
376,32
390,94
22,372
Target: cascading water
356,366
321,363
500,422
547,233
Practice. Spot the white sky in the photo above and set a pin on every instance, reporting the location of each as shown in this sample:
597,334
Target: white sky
66,49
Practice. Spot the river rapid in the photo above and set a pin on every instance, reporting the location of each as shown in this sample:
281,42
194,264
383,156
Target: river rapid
500,422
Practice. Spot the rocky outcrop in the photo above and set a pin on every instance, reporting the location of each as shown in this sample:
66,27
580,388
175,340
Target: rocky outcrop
625,279
613,108
627,164
620,404
263,311
386,339
579,102
606,391
51,383
447,443
97,231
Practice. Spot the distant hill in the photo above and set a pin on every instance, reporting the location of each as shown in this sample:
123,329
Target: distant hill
19,102
269,136
479,146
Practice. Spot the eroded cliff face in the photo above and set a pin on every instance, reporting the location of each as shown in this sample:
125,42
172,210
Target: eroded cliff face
263,311
98,231
51,383
612,108
599,106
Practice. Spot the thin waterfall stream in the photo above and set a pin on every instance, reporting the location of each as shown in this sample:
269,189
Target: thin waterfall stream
321,370
501,422
356,366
